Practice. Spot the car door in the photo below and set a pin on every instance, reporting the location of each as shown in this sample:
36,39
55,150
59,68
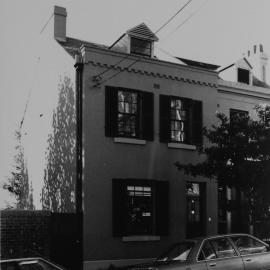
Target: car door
255,254
219,254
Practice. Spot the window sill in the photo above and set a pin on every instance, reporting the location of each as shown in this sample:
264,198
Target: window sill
129,141
182,146
140,238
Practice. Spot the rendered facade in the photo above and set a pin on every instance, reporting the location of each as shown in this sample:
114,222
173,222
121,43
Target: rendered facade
140,114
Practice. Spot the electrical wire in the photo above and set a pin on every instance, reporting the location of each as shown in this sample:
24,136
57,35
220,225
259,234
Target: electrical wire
29,95
166,23
187,19
139,59
31,88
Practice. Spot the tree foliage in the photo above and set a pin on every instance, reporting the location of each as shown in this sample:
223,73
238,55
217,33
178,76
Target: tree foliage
238,155
58,193
18,183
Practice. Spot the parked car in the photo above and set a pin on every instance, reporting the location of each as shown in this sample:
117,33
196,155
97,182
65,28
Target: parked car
233,251
28,264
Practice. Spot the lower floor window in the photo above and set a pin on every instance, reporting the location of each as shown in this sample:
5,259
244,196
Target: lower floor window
140,207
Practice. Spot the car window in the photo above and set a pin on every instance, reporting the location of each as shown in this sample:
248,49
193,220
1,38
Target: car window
207,252
30,266
178,252
223,248
8,266
248,245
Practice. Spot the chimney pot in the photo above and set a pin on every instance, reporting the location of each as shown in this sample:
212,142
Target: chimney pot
254,48
60,15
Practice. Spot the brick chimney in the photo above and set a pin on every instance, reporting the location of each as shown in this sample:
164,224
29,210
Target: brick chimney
263,64
259,61
60,16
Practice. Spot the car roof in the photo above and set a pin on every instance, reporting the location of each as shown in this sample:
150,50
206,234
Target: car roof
21,259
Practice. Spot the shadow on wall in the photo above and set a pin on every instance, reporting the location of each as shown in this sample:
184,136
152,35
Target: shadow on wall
58,192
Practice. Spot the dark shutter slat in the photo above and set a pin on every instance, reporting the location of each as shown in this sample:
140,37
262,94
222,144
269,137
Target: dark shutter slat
164,118
111,103
162,207
118,206
147,116
196,122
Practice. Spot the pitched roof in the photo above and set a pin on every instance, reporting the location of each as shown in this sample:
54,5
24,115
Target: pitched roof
198,64
257,82
142,31
72,45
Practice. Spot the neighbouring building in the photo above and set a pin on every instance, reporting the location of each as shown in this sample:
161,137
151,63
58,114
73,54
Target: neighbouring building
242,85
140,114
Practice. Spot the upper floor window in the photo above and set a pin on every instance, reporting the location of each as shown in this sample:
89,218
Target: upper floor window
180,120
140,46
243,75
129,113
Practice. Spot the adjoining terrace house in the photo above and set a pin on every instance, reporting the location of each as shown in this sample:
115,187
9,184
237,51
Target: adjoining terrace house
140,114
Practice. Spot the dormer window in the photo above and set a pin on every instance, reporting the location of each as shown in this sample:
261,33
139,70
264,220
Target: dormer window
243,75
140,46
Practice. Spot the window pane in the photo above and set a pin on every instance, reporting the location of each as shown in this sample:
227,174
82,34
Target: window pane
128,115
207,252
140,46
193,189
223,248
178,120
139,219
178,252
248,245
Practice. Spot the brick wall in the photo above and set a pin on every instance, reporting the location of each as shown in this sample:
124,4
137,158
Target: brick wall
24,233
40,234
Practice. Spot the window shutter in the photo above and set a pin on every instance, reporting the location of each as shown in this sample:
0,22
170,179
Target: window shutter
164,118
162,207
111,103
148,116
196,122
118,206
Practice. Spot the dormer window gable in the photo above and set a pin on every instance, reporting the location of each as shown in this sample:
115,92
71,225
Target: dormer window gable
141,40
138,40
243,75
243,69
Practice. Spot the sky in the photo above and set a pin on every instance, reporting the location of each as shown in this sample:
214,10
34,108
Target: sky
213,31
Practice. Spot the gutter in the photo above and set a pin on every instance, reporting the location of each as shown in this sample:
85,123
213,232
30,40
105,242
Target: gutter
79,142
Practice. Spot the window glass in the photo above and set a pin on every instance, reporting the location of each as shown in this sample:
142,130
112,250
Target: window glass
140,46
248,245
178,120
223,248
128,113
243,75
8,266
139,209
178,252
207,252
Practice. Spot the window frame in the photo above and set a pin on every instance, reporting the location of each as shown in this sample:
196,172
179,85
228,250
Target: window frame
217,258
137,115
159,206
144,120
242,75
133,46
194,120
254,239
185,122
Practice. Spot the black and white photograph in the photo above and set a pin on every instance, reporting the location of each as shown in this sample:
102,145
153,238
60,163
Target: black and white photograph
134,135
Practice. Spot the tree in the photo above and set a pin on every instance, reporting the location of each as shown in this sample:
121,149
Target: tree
238,156
58,193
18,183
